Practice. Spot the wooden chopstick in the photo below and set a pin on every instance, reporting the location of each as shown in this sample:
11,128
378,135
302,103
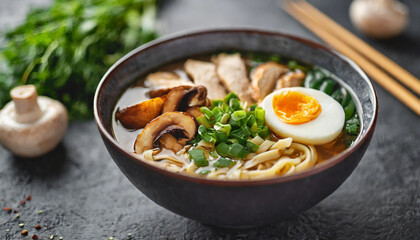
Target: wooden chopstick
362,47
405,96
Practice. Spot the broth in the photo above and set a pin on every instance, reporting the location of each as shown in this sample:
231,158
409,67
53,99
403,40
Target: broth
139,93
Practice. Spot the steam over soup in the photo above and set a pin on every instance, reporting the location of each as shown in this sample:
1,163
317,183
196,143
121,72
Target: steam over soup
237,116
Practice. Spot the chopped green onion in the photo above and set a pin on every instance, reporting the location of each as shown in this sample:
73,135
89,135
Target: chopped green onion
251,121
214,154
260,116
220,127
204,172
197,155
208,138
238,115
251,146
245,130
216,103
239,135
238,151
264,132
225,107
254,128
202,120
225,118
207,112
221,137
217,113
205,135
235,104
230,96
223,162
252,107
234,123
223,149
202,130
195,140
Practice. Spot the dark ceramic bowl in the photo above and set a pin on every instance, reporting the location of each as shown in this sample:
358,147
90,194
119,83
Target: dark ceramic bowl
234,203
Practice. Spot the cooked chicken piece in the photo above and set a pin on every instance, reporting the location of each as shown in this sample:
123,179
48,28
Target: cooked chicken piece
232,71
204,73
264,79
291,79
165,80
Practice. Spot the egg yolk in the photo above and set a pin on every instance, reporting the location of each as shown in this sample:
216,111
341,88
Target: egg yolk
295,108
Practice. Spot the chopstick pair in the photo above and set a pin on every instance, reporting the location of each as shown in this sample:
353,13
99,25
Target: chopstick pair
360,52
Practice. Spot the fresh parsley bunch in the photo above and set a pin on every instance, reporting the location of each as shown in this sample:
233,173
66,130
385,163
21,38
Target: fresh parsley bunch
65,49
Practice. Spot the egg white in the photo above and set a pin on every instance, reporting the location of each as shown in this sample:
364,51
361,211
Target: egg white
323,129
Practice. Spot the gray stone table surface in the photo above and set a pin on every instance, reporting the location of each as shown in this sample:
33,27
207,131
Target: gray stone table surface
83,195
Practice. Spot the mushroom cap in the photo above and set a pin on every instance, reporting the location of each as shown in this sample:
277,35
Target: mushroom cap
178,124
182,97
36,138
379,19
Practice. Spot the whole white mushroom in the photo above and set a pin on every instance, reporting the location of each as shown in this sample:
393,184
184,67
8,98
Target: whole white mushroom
31,126
379,18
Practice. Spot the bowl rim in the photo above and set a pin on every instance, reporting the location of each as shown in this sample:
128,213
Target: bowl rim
216,182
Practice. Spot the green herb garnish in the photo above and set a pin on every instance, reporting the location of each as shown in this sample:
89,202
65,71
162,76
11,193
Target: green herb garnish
230,128
223,162
65,49
197,155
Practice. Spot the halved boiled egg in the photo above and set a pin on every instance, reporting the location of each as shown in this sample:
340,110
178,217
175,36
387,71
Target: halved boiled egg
307,115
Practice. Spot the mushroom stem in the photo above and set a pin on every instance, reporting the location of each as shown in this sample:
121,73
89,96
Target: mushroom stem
25,98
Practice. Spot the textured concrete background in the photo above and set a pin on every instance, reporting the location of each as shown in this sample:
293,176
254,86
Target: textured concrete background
83,195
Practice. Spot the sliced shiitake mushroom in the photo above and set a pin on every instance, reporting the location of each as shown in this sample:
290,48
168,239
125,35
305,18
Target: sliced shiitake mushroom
182,97
196,97
176,99
159,92
170,142
139,115
194,111
181,126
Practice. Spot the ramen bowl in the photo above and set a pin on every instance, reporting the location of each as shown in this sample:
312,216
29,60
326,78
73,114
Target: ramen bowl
234,203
